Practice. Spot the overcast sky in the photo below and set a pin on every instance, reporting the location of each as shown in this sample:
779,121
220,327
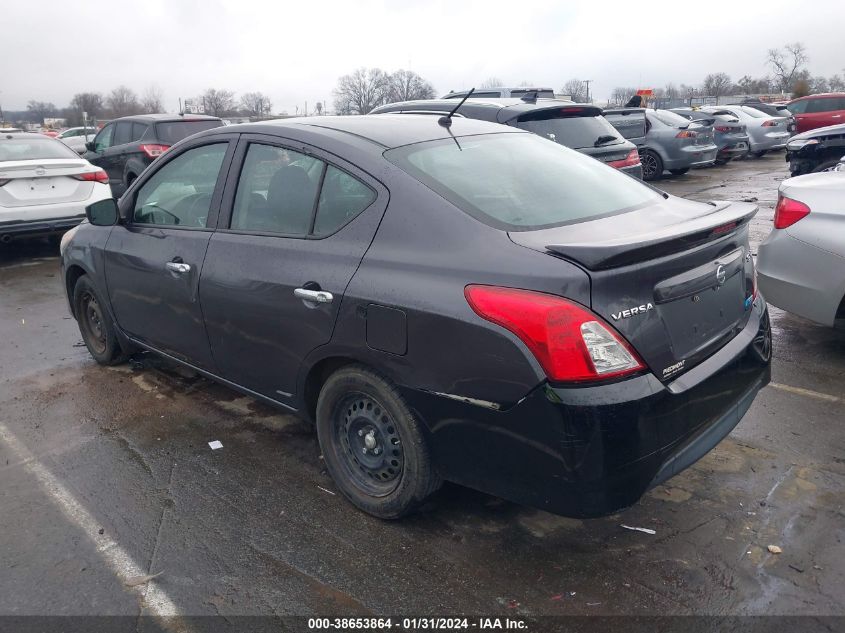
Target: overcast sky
295,51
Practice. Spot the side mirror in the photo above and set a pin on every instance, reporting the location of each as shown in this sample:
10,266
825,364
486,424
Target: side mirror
90,146
103,213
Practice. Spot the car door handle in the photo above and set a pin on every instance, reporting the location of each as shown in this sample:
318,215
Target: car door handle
178,267
315,296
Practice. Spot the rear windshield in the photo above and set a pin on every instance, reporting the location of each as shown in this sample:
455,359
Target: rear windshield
541,94
573,131
521,181
753,112
175,131
670,118
37,147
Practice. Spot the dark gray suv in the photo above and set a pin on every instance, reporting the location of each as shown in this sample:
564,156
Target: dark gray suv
579,126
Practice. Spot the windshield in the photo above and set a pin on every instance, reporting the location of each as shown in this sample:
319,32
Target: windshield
175,131
521,181
573,131
34,148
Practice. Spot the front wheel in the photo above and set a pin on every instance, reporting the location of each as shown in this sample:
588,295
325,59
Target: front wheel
373,446
652,165
97,330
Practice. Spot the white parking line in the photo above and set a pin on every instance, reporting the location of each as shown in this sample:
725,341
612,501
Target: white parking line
805,392
121,562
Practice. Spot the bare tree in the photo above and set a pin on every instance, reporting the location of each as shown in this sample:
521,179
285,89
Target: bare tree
819,84
491,82
318,108
218,102
406,85
716,85
621,94
122,102
836,83
786,63
151,101
670,91
256,104
576,89
38,110
90,102
361,91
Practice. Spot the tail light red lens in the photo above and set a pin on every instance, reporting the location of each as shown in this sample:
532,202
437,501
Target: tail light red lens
686,134
633,158
95,176
571,343
789,211
722,128
770,124
152,150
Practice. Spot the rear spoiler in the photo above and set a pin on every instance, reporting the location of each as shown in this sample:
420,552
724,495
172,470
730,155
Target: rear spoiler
531,111
725,218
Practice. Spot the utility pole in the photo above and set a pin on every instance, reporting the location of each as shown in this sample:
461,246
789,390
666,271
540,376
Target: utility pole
587,81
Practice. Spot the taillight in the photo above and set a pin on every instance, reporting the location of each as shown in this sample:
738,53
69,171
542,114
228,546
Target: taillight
96,176
571,343
633,158
152,150
722,128
770,123
789,211
686,134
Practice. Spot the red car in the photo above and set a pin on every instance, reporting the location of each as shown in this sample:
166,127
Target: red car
818,110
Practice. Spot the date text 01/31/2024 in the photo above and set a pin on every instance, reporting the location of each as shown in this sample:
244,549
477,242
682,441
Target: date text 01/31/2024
416,624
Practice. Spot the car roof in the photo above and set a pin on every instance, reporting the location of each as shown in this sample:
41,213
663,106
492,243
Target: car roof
819,94
385,131
156,118
13,135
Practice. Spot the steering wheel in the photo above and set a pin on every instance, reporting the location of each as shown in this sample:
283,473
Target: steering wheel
176,219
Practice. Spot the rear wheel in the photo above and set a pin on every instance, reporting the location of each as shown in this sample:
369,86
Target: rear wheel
679,172
97,331
372,444
652,165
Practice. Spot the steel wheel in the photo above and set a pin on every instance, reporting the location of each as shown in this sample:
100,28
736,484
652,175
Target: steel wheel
93,324
372,452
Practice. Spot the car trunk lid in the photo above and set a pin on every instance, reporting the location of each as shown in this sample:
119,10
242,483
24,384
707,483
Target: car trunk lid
45,181
674,278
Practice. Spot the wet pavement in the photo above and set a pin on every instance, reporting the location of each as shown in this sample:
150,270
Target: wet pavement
107,475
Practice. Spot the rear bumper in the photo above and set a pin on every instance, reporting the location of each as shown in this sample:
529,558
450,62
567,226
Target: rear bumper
635,170
34,228
591,451
692,156
801,278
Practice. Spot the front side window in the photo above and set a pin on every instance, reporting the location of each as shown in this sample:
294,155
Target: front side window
138,130
179,193
798,107
103,139
521,182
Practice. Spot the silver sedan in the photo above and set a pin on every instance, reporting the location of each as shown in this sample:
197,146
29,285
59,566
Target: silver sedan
766,133
801,264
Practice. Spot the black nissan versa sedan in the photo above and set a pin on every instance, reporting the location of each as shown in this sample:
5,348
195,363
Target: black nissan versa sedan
445,299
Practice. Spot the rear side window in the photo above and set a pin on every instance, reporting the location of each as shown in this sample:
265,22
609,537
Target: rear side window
341,199
33,148
122,133
566,128
174,131
138,130
277,193
179,194
822,104
521,182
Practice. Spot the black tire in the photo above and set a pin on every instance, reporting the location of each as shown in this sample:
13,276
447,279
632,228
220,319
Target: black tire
96,328
679,172
652,165
722,161
825,166
373,446
759,154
